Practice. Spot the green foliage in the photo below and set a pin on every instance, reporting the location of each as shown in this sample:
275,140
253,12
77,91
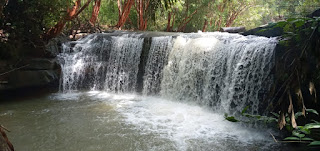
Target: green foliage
303,133
315,143
300,134
249,118
24,22
230,118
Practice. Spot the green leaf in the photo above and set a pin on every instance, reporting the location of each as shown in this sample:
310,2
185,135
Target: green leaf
275,114
298,114
304,130
257,116
281,24
289,127
271,119
312,111
287,119
307,139
244,110
247,115
298,23
312,125
292,138
291,19
232,119
314,143
298,134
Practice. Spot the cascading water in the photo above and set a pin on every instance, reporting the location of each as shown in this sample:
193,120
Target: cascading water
98,62
225,71
157,59
122,66
221,70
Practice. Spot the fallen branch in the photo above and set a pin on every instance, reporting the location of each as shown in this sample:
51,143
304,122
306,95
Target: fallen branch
5,137
275,140
1,126
13,70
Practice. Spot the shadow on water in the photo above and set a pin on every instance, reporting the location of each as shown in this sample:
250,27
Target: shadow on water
25,94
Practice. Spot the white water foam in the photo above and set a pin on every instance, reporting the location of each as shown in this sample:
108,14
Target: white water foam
188,126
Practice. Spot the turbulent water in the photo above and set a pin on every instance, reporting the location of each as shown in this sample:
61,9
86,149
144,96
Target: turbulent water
224,71
101,121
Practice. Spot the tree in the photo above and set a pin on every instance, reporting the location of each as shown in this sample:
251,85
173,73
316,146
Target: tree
142,7
71,14
124,8
95,12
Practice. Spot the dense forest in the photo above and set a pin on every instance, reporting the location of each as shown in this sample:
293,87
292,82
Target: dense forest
34,22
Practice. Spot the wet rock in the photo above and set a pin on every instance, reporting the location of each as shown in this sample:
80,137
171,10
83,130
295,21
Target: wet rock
31,72
54,46
39,64
233,29
269,30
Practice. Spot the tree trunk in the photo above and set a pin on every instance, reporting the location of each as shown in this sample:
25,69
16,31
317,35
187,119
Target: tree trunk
95,12
71,14
169,22
124,12
186,20
142,7
205,25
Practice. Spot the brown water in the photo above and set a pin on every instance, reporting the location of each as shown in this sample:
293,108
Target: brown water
99,121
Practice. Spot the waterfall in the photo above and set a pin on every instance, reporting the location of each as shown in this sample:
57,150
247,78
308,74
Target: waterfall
101,62
122,66
224,71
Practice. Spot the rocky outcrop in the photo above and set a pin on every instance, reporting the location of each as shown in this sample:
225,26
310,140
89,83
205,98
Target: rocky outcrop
269,30
36,72
54,46
316,13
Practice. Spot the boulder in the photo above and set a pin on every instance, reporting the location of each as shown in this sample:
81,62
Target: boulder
31,72
37,78
233,29
269,30
54,46
316,13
